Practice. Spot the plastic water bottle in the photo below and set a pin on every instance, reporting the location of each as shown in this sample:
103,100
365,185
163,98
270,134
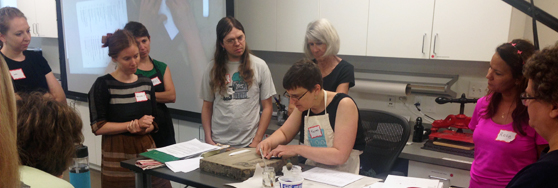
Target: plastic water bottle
79,171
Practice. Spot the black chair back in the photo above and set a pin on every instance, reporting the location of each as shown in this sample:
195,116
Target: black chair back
386,134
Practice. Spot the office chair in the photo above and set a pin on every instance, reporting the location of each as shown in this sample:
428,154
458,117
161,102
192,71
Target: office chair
386,134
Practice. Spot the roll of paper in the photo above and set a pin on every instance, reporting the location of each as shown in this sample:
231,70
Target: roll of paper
383,88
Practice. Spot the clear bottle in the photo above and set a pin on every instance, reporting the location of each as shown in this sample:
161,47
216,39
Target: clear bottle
80,176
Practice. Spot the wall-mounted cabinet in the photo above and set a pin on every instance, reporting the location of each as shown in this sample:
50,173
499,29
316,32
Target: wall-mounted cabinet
350,19
469,30
400,28
293,17
41,17
436,29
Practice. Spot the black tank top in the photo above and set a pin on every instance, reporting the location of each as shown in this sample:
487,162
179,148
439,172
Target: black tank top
360,143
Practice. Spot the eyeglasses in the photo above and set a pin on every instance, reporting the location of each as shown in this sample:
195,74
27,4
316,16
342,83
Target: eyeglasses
525,98
233,41
297,98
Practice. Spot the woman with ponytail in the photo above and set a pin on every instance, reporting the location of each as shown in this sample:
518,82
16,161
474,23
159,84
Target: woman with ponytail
504,142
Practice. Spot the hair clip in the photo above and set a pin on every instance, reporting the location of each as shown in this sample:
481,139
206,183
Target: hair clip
519,52
513,44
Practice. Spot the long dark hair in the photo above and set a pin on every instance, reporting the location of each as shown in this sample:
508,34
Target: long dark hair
515,54
218,81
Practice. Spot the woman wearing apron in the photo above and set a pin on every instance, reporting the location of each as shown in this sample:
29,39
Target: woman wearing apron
328,122
160,75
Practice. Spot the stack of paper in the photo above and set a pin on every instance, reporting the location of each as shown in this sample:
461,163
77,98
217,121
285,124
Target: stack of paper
331,177
192,148
393,181
187,149
185,165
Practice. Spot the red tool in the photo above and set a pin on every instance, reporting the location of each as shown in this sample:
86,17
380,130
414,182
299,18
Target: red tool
459,121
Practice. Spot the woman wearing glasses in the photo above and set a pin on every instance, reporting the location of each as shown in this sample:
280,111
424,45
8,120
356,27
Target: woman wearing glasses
328,122
504,142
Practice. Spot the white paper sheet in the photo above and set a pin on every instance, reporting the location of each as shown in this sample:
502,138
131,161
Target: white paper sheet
185,165
376,185
187,149
331,177
256,182
404,182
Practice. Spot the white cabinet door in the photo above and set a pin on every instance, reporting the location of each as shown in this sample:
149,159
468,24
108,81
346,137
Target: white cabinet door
450,176
350,19
260,24
469,30
46,18
28,9
400,28
293,17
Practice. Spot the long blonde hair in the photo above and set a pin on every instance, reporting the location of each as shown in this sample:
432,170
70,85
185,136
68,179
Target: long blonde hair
9,159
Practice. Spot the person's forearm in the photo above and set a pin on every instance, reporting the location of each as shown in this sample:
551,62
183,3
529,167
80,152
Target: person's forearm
335,156
112,128
206,114
264,123
165,97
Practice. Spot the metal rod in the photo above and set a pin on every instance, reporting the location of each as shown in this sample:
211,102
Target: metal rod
542,16
535,33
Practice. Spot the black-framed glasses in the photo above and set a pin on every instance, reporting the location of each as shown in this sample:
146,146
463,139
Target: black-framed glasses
297,98
525,98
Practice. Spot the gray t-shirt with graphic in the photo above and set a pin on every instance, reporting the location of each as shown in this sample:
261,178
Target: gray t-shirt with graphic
236,114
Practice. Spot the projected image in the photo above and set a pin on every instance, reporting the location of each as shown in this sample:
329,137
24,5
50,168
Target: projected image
182,36
97,18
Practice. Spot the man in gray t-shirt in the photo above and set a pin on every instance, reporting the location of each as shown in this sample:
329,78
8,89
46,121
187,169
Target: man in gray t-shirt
232,87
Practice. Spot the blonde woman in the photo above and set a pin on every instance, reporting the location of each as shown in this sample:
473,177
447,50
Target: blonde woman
29,71
9,159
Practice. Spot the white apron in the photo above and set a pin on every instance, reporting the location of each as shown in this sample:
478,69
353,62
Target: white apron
318,133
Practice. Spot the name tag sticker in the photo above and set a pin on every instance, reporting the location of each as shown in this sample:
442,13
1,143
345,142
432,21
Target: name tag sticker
315,131
140,96
17,74
506,136
228,76
156,81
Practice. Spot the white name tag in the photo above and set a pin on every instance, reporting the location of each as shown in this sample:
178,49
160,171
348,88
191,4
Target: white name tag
228,76
17,74
140,96
315,131
156,81
506,136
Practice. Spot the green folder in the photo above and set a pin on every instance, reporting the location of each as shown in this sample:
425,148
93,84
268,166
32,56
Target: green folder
159,156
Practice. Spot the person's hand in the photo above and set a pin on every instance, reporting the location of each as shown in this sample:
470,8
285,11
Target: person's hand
283,151
254,143
264,146
149,15
182,14
133,127
209,140
146,121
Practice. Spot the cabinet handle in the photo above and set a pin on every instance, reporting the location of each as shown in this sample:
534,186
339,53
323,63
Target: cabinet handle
436,177
435,37
37,25
423,38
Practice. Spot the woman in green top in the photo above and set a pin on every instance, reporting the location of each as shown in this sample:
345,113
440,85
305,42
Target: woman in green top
162,81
